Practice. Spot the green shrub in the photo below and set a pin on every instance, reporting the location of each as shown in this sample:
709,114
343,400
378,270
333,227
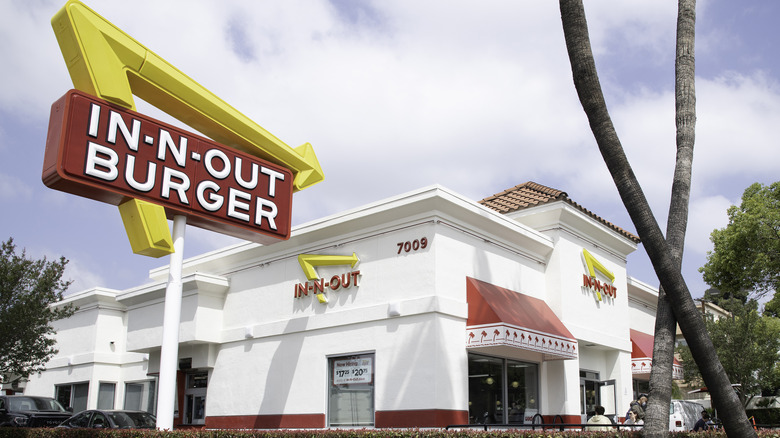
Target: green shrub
7,432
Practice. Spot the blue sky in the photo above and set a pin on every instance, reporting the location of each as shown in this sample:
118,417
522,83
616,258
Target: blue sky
399,95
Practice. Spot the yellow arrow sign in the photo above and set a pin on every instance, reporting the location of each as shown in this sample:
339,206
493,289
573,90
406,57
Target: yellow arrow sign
595,265
106,62
309,261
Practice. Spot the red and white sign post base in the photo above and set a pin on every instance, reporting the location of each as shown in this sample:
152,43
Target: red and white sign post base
169,351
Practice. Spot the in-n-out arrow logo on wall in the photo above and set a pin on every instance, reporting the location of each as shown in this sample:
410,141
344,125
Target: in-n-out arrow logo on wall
320,286
591,282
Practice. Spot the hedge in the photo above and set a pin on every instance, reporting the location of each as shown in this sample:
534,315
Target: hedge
7,432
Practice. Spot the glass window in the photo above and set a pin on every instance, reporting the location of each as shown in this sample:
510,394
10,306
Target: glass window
502,390
80,396
151,400
522,390
641,387
63,395
73,396
486,400
198,380
351,390
99,420
106,395
195,397
140,396
132,420
589,392
133,396
80,420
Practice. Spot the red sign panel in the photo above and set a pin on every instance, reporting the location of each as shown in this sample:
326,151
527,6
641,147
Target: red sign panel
107,153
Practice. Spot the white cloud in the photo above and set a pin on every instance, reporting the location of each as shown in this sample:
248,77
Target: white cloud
81,269
32,77
83,276
13,188
706,214
738,130
646,126
645,24
399,95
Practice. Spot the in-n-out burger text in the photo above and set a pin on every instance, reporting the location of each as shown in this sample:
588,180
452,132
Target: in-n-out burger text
599,286
322,285
107,153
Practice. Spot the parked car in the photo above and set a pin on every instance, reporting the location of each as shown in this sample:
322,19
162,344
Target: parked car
683,415
31,411
113,419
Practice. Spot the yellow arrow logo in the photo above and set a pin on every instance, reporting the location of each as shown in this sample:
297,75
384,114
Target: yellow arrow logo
106,62
309,261
594,265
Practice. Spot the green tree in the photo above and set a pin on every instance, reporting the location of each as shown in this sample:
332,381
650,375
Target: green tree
725,300
748,345
773,306
27,289
745,260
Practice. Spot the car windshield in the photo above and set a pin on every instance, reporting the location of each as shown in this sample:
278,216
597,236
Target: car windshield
16,404
133,420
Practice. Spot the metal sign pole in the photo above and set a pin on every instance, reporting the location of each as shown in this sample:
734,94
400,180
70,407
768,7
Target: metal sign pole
169,351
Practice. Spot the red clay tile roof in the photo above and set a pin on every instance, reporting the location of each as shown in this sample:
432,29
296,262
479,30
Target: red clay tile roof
531,194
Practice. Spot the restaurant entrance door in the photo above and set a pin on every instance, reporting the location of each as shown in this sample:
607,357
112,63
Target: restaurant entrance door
593,392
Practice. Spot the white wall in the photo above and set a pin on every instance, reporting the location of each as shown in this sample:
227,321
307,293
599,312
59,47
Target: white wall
268,350
91,347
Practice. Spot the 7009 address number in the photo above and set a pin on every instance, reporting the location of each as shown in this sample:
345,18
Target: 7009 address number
412,245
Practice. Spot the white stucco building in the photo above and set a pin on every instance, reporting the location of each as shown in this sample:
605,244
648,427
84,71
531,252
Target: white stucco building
423,310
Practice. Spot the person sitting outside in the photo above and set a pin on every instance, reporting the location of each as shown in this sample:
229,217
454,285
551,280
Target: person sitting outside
636,417
641,402
600,419
704,422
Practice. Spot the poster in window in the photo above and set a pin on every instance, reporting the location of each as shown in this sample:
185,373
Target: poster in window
353,370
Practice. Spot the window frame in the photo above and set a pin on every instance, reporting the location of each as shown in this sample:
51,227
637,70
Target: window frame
100,396
501,413
194,393
336,389
72,389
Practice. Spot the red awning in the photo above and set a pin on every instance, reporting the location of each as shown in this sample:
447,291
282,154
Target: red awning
499,316
642,355
641,344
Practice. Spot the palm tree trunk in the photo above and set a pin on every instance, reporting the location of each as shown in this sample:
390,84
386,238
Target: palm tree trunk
657,414
586,82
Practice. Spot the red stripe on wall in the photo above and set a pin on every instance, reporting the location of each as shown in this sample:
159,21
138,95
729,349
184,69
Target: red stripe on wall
282,421
573,419
383,419
420,418
567,419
